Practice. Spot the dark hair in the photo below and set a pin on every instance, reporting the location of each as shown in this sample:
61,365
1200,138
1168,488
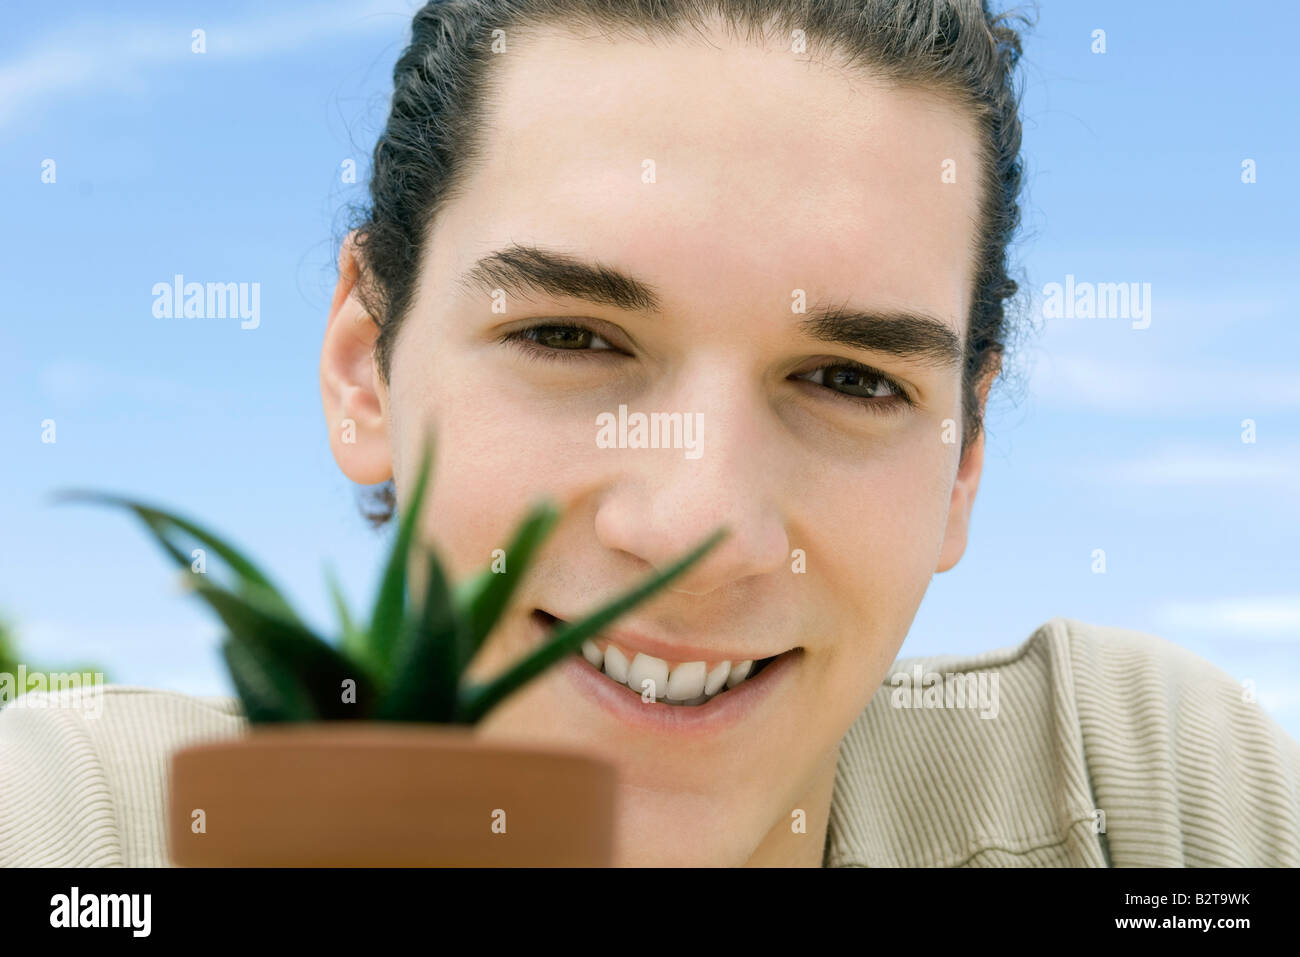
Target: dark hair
956,47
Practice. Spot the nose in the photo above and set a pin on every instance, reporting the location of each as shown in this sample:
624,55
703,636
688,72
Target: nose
663,503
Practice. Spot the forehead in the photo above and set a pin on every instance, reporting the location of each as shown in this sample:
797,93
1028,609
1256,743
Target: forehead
724,173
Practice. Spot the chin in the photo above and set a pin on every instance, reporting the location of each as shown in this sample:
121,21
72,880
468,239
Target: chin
670,829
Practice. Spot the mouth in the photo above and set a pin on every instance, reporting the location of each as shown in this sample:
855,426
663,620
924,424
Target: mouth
685,684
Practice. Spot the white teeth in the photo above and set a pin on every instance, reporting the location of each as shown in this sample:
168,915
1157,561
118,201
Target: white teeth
687,681
694,701
616,664
739,672
717,677
648,668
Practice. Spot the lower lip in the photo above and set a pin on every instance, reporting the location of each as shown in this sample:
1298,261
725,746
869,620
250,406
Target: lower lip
715,716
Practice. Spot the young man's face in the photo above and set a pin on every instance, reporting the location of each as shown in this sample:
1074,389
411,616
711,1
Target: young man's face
735,184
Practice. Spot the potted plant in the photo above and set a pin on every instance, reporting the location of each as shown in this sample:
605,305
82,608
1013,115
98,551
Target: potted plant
361,752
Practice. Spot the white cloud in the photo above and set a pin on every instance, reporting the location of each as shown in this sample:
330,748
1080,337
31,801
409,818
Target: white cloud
1270,617
1183,364
1163,386
1282,706
123,57
1233,463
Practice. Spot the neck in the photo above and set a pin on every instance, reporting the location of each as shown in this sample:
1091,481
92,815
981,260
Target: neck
800,840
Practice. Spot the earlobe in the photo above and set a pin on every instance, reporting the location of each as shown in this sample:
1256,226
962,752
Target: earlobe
353,393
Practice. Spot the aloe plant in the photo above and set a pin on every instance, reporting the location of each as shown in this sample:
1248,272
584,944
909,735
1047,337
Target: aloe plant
407,662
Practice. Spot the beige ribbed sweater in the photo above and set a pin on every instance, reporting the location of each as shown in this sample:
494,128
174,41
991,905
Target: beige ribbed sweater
1183,769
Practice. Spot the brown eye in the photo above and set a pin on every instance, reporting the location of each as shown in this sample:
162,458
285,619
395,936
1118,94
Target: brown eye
564,338
861,385
856,381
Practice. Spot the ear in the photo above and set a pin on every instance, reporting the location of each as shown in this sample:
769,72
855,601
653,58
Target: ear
353,394
965,487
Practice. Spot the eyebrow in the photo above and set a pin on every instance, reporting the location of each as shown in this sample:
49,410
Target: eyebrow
907,334
524,269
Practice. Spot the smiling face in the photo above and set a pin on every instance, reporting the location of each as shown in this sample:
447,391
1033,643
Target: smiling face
766,246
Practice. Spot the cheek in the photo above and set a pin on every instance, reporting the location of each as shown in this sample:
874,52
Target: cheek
884,531
883,543
492,456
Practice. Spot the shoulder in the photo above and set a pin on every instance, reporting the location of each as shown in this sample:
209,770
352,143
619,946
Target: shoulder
967,760
1084,745
83,771
1187,767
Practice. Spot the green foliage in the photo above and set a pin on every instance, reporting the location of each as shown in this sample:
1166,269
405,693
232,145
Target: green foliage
8,653
10,659
407,661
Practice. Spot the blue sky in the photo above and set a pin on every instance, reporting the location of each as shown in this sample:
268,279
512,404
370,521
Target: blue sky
227,165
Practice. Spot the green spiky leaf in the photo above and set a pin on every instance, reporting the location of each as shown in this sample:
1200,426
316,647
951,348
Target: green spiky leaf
268,693
409,659
353,638
165,527
386,622
425,673
477,700
287,648
492,591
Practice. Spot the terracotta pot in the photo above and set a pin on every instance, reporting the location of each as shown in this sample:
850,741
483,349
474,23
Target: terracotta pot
335,794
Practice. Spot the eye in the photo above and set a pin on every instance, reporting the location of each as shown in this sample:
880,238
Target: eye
553,339
859,384
849,381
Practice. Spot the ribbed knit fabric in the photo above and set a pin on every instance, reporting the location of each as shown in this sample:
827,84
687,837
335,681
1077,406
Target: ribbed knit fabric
1182,768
